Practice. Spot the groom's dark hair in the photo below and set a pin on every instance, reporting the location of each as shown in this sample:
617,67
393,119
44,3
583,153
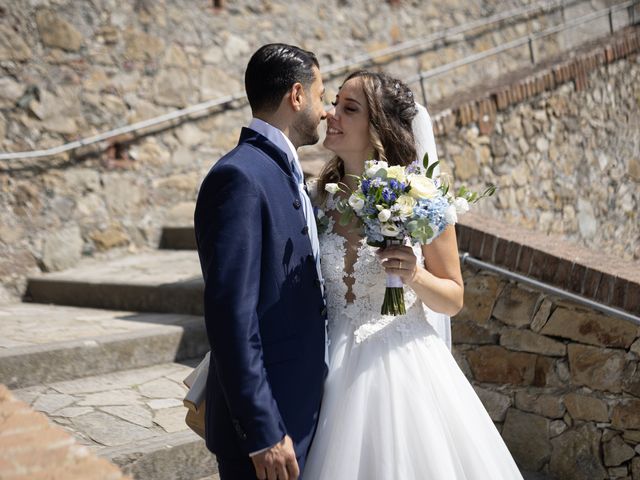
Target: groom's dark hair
273,70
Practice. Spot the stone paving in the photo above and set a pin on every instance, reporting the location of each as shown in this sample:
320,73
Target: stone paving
118,408
19,324
149,268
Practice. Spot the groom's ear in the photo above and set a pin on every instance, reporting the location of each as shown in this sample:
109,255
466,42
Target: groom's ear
296,97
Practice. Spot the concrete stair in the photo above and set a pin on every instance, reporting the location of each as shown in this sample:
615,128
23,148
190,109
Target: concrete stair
160,281
134,418
103,354
49,343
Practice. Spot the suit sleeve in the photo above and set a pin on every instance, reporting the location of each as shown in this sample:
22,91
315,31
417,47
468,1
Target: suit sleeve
228,225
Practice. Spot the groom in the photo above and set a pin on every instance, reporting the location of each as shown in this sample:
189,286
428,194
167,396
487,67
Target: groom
263,303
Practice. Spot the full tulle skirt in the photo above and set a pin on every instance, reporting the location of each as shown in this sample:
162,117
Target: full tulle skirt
397,406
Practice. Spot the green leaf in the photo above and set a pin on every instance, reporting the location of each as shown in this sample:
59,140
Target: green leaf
490,190
425,162
412,226
431,169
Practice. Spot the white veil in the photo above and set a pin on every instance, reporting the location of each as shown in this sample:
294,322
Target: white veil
426,143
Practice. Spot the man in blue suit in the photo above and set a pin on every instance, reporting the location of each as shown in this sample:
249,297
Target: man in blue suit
263,301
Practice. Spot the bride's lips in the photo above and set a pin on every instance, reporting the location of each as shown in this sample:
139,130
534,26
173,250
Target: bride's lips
333,131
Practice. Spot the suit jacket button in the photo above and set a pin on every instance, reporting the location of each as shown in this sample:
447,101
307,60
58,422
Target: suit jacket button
305,230
297,204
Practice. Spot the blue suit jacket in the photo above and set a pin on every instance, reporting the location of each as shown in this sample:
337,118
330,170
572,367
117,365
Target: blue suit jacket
262,301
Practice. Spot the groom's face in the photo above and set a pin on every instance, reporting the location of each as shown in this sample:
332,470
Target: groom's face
313,112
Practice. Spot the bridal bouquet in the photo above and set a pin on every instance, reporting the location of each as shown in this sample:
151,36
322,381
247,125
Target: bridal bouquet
397,203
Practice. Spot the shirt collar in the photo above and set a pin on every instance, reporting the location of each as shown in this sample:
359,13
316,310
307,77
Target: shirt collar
275,136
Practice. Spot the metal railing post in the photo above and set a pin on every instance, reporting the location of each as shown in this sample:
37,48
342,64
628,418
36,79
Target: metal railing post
531,52
611,21
423,90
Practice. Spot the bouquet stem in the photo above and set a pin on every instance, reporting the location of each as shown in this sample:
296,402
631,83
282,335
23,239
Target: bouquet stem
393,303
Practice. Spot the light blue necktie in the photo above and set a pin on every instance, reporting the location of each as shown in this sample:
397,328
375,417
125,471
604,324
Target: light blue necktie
307,209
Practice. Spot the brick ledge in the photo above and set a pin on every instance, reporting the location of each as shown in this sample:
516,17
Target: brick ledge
552,259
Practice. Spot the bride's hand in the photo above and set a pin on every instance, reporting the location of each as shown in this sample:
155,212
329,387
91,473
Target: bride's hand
399,260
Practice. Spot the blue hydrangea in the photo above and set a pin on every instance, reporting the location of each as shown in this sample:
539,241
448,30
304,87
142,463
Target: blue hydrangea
433,210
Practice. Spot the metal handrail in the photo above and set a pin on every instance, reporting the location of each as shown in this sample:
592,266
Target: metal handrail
529,39
450,33
465,258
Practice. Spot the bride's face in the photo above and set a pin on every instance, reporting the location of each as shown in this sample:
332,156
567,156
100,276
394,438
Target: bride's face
348,123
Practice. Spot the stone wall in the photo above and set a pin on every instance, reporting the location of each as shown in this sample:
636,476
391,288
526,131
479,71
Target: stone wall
566,160
561,382
70,69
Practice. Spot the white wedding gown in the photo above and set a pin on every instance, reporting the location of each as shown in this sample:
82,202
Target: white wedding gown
396,405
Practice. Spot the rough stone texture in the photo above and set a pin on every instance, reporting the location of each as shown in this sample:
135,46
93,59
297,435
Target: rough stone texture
542,315
495,403
596,368
590,327
480,292
635,468
546,405
471,332
583,407
57,32
575,454
62,249
528,341
616,452
527,437
498,365
566,161
515,306
72,69
626,414
31,447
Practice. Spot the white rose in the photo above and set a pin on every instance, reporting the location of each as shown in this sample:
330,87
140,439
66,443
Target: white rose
461,204
371,167
422,187
356,202
389,230
396,172
450,215
319,213
405,205
384,215
331,187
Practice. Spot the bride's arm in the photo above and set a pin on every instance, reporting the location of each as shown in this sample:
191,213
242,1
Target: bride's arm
438,283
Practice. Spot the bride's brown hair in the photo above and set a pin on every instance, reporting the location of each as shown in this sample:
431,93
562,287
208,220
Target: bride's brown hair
391,111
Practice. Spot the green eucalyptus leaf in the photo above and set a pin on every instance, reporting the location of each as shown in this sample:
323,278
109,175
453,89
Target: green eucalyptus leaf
425,162
431,168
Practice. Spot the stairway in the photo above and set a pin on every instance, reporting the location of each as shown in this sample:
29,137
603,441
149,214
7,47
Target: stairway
114,341
103,349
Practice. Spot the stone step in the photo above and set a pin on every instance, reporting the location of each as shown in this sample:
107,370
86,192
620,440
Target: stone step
158,281
48,343
134,418
178,238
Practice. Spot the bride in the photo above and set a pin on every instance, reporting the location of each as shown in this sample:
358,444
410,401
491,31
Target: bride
396,405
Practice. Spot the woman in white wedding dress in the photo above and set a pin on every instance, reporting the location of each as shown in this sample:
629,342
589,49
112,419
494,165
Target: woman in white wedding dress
396,405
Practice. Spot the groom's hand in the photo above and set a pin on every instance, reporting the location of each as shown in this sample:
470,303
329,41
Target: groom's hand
277,463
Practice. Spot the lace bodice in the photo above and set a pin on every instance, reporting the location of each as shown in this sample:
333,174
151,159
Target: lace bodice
369,283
